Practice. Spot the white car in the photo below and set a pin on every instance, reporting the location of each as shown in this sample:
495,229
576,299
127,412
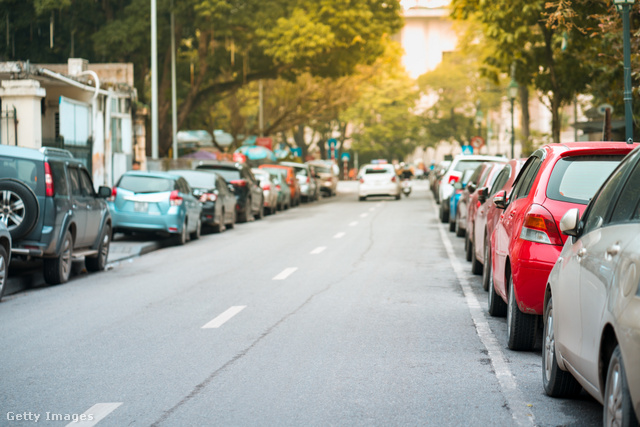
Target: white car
453,175
378,180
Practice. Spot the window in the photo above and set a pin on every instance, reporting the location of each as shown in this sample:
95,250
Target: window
598,210
627,206
527,176
145,184
26,171
576,179
59,179
86,184
74,182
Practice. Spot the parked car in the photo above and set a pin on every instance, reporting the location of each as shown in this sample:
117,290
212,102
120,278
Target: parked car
526,241
289,176
309,189
490,172
52,211
268,190
435,177
378,180
281,187
216,196
487,216
5,255
156,202
455,198
249,197
328,173
592,301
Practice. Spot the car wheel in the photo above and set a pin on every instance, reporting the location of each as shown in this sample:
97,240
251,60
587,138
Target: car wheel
397,196
182,238
198,231
221,226
19,208
556,382
459,230
4,269
496,305
260,214
58,270
486,270
618,407
444,215
521,327
231,224
362,198
467,246
99,262
476,266
452,225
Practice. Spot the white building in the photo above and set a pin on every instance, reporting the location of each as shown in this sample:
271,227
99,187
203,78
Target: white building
86,109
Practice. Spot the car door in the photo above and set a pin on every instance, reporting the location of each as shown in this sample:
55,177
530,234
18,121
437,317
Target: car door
78,205
256,190
192,204
95,207
227,199
606,233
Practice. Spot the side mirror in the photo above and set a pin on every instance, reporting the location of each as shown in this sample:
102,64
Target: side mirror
500,199
471,187
569,222
457,185
104,192
483,193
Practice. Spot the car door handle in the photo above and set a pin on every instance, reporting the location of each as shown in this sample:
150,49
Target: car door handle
582,252
613,250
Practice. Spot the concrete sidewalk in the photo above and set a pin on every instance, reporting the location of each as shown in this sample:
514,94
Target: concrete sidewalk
124,247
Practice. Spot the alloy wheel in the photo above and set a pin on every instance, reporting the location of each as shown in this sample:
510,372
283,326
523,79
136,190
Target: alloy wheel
614,398
549,345
12,210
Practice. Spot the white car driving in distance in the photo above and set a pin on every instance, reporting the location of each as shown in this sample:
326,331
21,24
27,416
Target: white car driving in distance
378,180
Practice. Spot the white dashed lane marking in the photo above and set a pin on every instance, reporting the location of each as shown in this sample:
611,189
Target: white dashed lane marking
285,273
318,250
224,317
95,414
353,224
339,235
364,215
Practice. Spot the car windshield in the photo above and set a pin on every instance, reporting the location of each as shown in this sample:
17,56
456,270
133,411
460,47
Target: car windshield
576,179
378,170
23,170
145,184
322,169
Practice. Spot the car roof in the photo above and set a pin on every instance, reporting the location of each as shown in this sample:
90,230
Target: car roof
193,172
589,147
153,174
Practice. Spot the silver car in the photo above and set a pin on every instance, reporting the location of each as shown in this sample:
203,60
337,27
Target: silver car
5,256
268,190
592,301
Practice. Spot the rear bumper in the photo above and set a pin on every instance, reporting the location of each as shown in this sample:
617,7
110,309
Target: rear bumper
153,223
531,268
365,190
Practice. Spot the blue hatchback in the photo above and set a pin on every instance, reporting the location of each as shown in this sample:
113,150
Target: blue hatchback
158,202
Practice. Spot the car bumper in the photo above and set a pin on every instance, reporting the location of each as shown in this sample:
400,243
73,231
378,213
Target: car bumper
171,222
365,190
531,265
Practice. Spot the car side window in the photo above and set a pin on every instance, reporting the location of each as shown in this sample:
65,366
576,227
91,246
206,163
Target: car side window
527,178
86,184
183,186
59,179
74,182
626,207
501,180
597,213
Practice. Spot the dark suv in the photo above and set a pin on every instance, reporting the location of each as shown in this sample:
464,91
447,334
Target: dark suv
49,205
249,196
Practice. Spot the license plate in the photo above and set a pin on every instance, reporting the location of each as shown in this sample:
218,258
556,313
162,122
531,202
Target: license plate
141,206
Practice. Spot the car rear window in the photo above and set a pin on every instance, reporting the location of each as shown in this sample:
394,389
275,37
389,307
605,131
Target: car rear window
227,174
467,164
23,170
576,179
378,170
199,179
322,169
145,184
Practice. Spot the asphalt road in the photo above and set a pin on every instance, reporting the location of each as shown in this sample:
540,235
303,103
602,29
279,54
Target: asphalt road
334,313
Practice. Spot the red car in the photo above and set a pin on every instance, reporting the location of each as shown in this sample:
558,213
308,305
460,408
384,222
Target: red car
487,216
488,175
526,242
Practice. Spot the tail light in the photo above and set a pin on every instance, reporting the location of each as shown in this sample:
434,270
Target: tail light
208,197
114,193
540,227
361,180
393,179
175,199
308,180
48,180
266,187
239,182
278,187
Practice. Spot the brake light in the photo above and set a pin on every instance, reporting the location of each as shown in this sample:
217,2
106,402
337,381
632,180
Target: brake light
393,179
208,197
48,180
175,199
308,180
239,182
540,227
267,187
454,178
361,180
114,193
278,187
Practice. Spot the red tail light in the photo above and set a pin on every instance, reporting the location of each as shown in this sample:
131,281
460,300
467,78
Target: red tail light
267,187
454,178
208,197
361,180
48,180
540,227
278,187
393,179
308,180
239,182
114,193
175,199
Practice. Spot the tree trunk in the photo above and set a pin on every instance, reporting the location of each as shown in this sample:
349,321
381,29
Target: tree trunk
556,124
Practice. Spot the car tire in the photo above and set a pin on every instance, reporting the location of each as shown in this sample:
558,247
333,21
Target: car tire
19,201
99,262
198,231
362,198
397,196
476,266
486,270
58,270
556,382
496,305
182,238
4,270
220,227
521,327
618,407
467,246
459,230
444,215
260,214
452,225
231,224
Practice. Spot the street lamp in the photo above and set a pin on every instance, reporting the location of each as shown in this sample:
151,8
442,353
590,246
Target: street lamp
512,92
624,6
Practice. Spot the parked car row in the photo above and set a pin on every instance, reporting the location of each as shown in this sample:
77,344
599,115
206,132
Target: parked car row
556,238
50,210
